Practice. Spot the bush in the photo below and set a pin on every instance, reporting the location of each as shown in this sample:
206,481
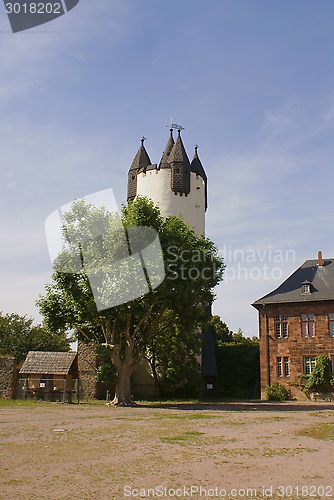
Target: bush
277,392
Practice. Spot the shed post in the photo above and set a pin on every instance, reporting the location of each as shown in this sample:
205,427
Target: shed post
24,389
64,390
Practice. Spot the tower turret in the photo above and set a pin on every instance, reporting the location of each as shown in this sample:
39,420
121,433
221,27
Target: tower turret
176,185
180,167
165,156
197,167
140,163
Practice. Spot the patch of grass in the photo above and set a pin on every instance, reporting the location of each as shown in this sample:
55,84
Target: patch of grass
4,402
184,416
318,431
281,452
181,438
275,418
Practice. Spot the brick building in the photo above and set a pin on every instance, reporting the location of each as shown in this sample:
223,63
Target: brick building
296,324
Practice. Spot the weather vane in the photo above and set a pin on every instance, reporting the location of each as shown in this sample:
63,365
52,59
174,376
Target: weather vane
174,125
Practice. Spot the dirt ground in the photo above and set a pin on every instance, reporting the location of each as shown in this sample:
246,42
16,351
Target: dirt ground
91,451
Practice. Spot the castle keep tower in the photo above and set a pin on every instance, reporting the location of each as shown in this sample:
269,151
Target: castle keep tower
177,185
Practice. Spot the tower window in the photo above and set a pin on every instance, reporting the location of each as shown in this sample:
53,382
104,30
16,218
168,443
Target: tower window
133,177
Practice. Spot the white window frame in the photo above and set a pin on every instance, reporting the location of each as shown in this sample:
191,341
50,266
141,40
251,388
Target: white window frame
281,326
286,366
309,364
279,367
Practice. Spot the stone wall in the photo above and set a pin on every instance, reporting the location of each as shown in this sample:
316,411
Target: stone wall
8,377
295,346
87,370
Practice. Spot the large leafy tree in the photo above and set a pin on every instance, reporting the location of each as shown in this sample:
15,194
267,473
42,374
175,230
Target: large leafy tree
93,239
18,336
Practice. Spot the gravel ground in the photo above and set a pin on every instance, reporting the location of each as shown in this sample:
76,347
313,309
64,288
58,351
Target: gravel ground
236,450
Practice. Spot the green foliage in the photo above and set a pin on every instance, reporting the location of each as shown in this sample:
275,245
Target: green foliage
173,357
320,376
238,362
106,371
221,331
18,336
277,392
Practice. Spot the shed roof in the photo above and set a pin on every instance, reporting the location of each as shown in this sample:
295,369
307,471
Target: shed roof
53,363
321,279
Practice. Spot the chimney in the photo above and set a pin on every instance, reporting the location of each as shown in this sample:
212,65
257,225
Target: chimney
319,259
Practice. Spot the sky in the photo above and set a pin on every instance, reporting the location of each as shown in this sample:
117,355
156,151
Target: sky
251,82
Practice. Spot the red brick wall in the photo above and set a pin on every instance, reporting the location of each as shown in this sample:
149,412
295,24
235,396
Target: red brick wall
295,346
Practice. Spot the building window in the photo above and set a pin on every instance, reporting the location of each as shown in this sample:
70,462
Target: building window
283,366
306,287
308,325
331,324
279,367
286,365
281,327
309,364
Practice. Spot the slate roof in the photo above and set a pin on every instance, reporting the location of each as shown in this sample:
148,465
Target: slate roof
53,363
197,167
141,160
178,153
165,156
321,279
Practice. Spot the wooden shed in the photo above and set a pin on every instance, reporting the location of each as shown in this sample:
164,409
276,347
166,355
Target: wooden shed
49,376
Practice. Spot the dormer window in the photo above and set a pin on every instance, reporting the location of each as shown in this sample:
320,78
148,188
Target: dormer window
306,287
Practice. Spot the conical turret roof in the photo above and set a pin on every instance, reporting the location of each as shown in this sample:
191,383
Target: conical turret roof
165,156
141,160
196,165
178,153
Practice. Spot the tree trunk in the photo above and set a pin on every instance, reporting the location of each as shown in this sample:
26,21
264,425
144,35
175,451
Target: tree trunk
125,366
123,385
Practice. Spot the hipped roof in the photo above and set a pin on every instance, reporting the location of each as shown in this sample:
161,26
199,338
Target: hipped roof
321,279
53,363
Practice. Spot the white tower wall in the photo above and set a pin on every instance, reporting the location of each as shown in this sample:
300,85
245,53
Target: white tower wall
155,184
